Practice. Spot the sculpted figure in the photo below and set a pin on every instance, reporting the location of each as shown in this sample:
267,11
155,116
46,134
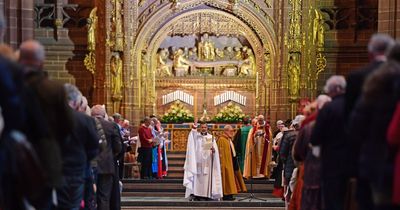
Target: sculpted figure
193,54
219,54
238,53
116,71
294,74
229,54
92,25
180,61
206,49
248,68
162,66
119,33
319,30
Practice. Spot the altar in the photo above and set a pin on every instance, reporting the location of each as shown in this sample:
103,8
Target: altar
178,134
205,54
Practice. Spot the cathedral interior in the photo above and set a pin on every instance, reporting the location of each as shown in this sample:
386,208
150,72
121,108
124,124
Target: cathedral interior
139,56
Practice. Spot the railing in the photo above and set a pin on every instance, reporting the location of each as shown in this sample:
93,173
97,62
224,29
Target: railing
178,134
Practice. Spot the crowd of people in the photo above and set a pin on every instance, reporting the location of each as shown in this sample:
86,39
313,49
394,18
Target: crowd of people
341,152
55,151
152,152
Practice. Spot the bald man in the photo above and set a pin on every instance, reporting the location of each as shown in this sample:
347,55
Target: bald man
230,171
53,103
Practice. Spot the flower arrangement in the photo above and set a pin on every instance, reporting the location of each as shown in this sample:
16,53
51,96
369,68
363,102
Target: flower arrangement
229,114
177,113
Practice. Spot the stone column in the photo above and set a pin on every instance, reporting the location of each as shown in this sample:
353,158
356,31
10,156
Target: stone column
389,17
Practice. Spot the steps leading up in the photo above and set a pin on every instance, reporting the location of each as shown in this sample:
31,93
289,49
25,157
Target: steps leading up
176,161
169,193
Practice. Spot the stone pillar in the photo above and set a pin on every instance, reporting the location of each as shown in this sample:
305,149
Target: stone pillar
19,20
389,17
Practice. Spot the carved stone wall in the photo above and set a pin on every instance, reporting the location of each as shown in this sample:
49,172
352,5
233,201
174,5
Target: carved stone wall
348,26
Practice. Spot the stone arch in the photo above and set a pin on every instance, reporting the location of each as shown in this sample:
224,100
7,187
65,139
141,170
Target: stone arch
151,31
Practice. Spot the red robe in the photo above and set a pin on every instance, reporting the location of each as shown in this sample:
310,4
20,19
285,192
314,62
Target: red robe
265,154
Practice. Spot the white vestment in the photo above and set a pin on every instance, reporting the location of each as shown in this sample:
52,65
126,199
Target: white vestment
199,168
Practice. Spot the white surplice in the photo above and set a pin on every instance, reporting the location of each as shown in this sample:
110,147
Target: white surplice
199,169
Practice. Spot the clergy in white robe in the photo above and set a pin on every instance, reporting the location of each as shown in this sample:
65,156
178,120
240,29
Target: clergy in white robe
202,171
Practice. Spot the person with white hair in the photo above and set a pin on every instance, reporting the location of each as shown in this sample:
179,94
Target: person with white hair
32,55
378,45
106,166
285,155
335,85
329,135
276,163
308,188
77,151
232,180
368,125
52,100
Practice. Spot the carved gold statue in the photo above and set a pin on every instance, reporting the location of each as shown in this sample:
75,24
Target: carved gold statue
162,67
229,54
143,64
206,49
180,63
267,59
219,54
193,54
92,26
238,53
248,68
119,33
319,30
116,72
294,75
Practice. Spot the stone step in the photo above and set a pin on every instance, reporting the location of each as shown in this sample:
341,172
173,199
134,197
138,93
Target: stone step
174,188
160,181
206,208
180,187
172,202
175,154
141,194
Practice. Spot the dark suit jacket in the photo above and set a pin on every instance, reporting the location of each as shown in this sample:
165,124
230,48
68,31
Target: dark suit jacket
58,118
81,146
355,82
10,101
105,159
329,133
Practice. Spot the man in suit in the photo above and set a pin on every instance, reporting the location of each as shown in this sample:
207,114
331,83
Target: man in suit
53,104
329,134
77,151
377,47
106,164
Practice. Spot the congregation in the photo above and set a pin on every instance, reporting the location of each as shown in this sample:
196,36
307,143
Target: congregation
341,152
